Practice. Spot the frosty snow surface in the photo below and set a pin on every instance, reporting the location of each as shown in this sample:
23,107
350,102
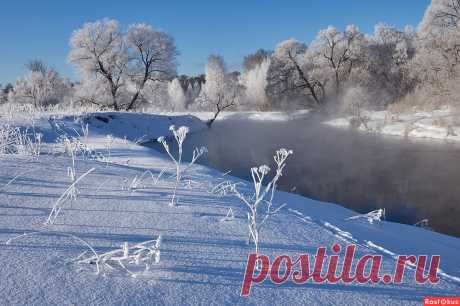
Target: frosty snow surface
125,202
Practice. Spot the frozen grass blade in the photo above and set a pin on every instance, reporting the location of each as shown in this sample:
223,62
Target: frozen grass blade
68,194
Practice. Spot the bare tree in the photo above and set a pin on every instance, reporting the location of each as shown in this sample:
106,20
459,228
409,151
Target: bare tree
225,99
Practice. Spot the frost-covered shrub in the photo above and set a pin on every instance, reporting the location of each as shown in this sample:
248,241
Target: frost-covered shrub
14,140
354,102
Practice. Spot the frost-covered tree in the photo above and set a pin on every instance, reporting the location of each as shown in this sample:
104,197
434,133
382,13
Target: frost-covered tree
41,86
336,54
435,67
192,88
319,75
3,96
93,91
124,61
354,101
176,95
99,50
254,81
221,91
152,57
441,14
384,70
215,72
37,65
439,41
251,61
155,95
8,87
292,74
189,95
4,91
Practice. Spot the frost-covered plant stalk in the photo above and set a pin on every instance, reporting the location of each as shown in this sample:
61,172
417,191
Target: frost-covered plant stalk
179,135
262,196
69,195
85,131
145,254
371,217
108,146
71,148
138,181
197,153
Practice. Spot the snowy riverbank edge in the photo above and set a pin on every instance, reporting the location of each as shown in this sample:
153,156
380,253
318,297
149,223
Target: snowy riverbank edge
437,125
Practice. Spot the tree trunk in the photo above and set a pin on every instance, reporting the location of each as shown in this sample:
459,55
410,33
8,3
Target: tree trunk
115,103
307,82
133,100
113,91
337,83
211,121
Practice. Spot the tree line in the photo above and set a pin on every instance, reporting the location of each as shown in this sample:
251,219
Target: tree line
341,70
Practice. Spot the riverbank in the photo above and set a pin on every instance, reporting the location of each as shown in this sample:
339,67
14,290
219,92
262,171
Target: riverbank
439,124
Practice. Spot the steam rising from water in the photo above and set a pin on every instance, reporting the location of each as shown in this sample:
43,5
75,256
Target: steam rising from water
413,180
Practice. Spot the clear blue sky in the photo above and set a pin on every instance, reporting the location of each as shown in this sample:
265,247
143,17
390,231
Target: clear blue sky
233,28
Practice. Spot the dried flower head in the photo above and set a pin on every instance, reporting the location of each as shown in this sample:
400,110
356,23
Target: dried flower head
281,155
264,169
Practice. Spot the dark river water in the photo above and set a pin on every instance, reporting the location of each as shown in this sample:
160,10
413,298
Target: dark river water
411,179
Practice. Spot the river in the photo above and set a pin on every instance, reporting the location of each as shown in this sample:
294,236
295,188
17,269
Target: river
411,179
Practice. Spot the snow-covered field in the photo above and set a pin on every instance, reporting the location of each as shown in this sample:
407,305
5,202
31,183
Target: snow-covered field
441,124
203,257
